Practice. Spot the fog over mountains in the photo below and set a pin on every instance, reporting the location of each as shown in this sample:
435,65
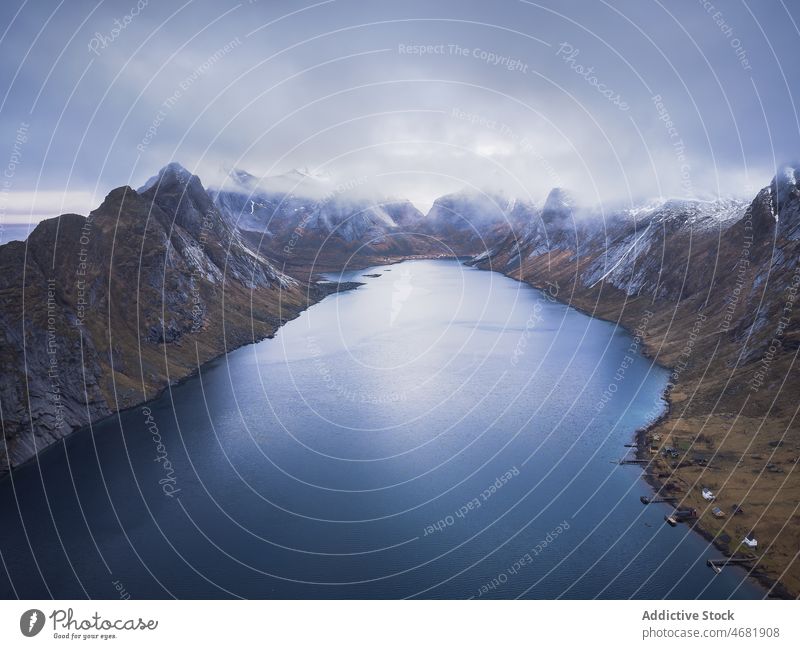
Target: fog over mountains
348,216
173,263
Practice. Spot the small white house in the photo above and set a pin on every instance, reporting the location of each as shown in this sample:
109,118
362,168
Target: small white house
750,541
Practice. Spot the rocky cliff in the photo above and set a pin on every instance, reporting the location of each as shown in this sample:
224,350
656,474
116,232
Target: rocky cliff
100,313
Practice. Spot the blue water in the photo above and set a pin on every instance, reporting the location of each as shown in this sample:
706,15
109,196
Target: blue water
436,433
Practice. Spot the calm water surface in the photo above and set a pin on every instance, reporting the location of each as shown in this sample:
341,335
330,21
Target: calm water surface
439,432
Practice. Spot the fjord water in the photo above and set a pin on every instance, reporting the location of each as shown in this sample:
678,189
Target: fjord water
438,432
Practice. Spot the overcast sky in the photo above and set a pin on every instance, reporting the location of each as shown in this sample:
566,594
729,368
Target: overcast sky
519,96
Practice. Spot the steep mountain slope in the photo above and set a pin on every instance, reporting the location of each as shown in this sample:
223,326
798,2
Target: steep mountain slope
99,313
711,290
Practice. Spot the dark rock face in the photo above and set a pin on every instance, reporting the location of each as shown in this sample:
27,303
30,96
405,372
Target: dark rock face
47,389
785,201
558,206
100,312
182,196
760,215
774,213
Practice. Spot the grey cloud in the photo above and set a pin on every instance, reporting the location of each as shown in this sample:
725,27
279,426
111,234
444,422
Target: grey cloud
420,97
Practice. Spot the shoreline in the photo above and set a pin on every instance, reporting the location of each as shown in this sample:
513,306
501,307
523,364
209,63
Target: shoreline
326,290
314,281
775,589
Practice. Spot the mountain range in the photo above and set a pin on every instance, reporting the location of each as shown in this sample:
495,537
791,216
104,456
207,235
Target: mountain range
101,312
305,221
